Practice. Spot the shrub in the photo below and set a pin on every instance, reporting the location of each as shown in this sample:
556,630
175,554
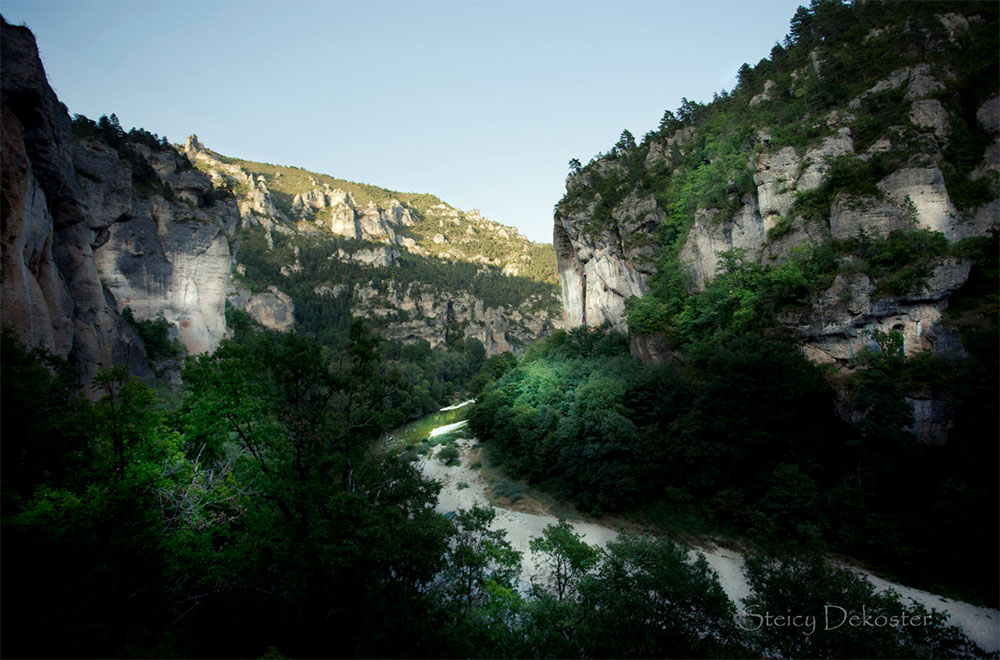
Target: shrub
155,336
448,455
508,489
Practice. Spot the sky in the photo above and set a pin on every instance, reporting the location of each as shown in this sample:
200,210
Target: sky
482,103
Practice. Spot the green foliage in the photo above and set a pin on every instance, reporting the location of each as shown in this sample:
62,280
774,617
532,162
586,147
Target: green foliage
109,130
746,296
448,455
899,262
885,628
973,310
782,228
566,556
745,440
877,112
648,601
318,313
481,562
285,182
155,336
47,440
430,217
509,490
258,507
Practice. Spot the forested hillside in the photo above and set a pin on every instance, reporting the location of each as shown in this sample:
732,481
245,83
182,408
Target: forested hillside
262,514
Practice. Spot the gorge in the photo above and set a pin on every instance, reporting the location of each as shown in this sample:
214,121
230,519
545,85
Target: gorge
252,410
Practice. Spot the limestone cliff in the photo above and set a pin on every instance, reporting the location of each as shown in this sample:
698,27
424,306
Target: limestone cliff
606,227
97,220
172,257
52,295
804,168
393,258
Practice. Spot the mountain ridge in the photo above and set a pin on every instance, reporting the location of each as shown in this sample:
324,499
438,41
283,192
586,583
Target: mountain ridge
101,222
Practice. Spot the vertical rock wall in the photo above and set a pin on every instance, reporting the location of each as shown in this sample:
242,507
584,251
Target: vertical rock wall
51,295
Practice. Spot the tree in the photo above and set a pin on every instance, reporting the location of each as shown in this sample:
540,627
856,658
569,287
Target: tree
575,166
566,556
812,587
689,111
669,122
125,407
745,78
479,559
647,600
801,28
475,356
626,142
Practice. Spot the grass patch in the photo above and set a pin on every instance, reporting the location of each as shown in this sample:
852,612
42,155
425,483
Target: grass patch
419,430
509,489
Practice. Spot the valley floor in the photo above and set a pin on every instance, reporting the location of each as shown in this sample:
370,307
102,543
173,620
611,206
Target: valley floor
464,487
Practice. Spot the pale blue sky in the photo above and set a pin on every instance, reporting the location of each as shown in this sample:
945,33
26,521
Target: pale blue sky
480,103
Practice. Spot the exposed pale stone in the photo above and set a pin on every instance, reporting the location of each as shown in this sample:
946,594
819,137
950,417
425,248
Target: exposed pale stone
956,24
989,115
838,144
924,189
929,113
764,95
273,308
52,296
920,83
378,256
775,178
335,291
850,215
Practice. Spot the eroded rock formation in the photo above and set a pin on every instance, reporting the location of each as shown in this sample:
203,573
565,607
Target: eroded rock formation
51,292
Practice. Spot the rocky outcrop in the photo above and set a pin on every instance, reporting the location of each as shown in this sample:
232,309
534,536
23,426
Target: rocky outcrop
844,317
382,256
172,256
85,236
600,270
253,197
338,212
386,231
420,312
273,308
52,296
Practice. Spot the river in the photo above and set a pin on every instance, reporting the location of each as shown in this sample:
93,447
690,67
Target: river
464,487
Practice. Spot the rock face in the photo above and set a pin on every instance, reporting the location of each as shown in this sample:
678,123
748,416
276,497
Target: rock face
52,296
604,262
273,308
382,234
96,224
600,272
843,317
895,158
170,257
421,312
82,240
